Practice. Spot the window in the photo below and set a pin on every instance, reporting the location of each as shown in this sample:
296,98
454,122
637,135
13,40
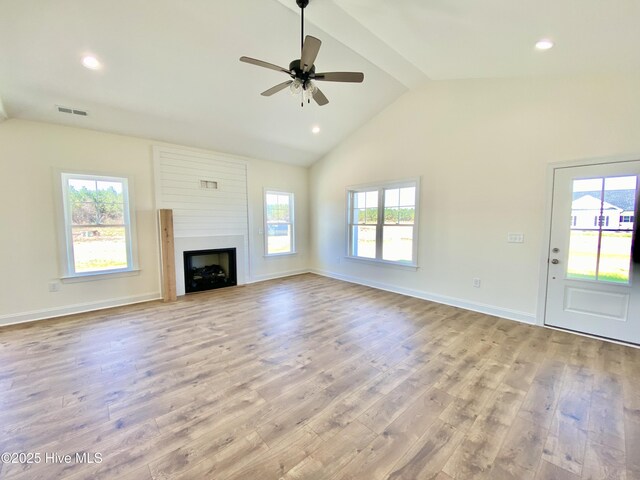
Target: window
626,218
382,222
601,221
279,223
97,224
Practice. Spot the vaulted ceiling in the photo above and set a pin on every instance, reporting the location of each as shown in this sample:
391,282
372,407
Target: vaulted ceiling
170,69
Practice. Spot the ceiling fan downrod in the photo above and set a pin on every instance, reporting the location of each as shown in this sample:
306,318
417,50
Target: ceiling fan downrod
302,4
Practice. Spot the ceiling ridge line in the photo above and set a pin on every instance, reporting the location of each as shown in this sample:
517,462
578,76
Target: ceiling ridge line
377,52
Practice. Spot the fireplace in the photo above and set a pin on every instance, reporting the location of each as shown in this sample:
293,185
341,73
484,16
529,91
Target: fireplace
209,269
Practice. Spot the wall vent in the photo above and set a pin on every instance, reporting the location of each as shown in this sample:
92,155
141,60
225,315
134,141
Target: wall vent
72,111
209,184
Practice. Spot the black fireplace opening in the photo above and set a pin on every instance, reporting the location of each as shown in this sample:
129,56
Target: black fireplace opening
209,269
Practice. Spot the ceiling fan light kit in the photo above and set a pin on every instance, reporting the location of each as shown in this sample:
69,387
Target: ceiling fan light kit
303,70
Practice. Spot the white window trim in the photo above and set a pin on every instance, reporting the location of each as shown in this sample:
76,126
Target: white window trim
383,263
65,239
381,186
292,211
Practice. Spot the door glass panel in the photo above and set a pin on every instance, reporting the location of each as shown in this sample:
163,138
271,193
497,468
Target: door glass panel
584,221
615,244
615,256
583,255
601,227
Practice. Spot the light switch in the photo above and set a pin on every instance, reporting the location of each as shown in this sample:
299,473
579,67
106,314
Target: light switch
515,237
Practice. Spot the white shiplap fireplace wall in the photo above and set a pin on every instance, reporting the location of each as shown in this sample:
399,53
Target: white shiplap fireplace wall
208,196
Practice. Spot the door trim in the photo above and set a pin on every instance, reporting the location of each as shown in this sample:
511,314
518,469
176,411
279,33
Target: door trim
546,235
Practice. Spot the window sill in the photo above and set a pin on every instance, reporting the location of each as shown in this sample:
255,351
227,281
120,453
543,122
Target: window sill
91,277
276,255
383,263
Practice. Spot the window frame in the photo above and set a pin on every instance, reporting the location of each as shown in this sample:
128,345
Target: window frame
380,224
292,222
601,221
66,252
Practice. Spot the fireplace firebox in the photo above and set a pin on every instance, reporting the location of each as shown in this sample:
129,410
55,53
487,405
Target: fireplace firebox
209,269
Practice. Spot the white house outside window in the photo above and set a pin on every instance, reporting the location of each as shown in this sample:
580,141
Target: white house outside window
97,224
279,223
382,222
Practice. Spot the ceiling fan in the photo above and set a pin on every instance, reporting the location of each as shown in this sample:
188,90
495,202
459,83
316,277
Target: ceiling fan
303,71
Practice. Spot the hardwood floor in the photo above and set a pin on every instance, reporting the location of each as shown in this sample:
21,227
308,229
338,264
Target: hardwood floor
312,378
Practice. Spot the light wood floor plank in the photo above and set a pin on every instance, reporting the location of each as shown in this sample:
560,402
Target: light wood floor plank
521,451
476,454
549,471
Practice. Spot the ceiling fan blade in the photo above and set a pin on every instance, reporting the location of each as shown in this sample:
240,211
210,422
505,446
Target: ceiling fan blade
260,63
320,98
310,51
277,88
354,77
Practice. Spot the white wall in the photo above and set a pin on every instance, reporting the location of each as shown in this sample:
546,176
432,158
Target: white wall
481,148
273,176
29,153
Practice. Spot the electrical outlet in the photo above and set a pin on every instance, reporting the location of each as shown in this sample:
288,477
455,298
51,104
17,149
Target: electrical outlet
54,286
476,282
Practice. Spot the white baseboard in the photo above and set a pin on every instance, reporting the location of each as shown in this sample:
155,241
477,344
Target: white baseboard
45,313
34,315
509,314
273,276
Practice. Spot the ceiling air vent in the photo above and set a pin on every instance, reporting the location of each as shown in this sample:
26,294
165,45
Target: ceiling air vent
72,111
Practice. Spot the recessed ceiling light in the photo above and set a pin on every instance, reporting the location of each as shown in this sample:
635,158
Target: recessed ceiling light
315,130
90,62
544,44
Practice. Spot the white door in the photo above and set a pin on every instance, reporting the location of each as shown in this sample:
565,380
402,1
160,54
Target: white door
593,284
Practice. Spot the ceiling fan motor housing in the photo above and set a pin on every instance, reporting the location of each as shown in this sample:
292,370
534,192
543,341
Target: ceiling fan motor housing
297,72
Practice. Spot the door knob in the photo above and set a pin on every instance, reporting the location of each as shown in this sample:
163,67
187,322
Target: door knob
555,261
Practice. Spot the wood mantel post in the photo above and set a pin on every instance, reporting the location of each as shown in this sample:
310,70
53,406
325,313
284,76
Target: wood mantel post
168,256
